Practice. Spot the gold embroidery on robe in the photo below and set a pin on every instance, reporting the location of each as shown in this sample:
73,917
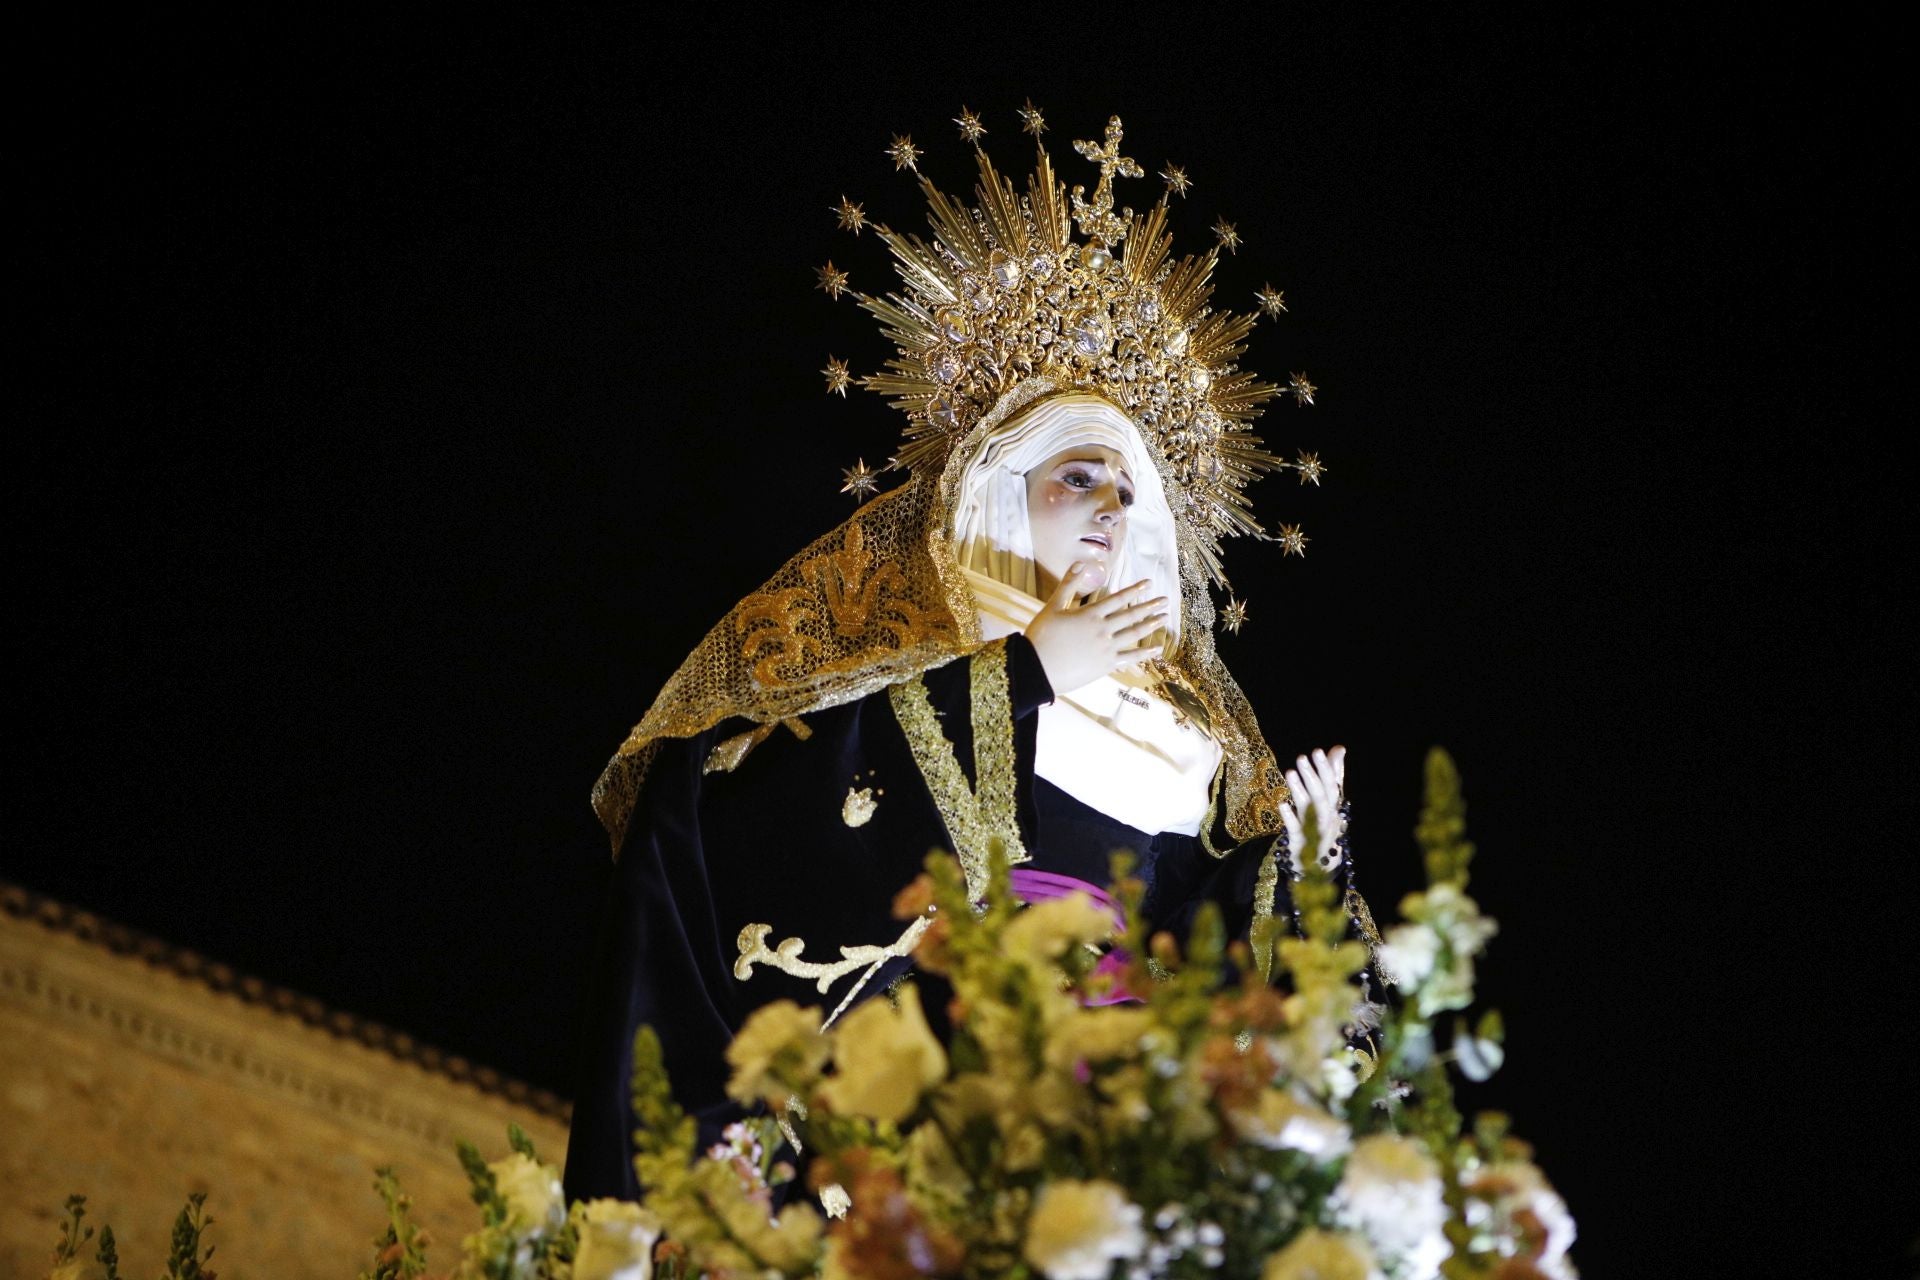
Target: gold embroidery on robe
975,815
786,958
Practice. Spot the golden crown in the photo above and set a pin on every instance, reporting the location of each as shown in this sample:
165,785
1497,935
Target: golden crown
1004,291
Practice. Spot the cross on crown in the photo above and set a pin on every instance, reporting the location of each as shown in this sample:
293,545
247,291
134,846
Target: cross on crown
1096,218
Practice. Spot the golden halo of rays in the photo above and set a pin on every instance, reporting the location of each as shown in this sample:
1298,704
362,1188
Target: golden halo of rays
1001,289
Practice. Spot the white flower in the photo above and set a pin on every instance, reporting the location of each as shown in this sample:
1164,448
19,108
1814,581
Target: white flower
886,1057
1513,1187
1279,1121
1443,921
1322,1255
535,1202
1079,1229
834,1198
1408,952
616,1241
1391,1190
1342,1073
779,1033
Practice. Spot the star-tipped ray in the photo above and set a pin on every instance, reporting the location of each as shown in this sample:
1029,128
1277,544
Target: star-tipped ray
904,154
838,377
850,215
832,282
860,480
971,129
1301,388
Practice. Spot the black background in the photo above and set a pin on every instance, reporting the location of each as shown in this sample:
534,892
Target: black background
400,401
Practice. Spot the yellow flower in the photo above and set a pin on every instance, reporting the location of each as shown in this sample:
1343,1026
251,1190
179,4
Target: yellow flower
1278,1120
1321,1255
779,1051
1023,1147
1056,1098
1041,933
932,1166
616,1241
974,1096
1079,1229
535,1203
1098,1035
886,1057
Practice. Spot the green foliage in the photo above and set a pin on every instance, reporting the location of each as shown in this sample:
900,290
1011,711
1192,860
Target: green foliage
109,1255
485,1189
400,1252
72,1236
185,1258
1442,829
665,1131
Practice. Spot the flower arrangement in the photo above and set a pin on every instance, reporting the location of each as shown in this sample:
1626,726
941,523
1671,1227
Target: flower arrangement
1215,1123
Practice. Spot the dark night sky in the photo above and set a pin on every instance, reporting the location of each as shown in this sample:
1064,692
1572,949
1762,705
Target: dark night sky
401,404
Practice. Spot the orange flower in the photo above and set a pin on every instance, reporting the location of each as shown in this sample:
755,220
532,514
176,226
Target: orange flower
913,901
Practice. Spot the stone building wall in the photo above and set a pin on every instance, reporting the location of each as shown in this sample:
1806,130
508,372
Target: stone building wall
134,1074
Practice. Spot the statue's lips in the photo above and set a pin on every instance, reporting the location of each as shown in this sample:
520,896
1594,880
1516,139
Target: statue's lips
1099,540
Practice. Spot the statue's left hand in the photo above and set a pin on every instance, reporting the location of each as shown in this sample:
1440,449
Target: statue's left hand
1317,781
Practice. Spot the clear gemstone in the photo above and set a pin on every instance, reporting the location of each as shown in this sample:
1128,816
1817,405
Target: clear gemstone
946,367
1041,266
1090,334
1177,343
1005,271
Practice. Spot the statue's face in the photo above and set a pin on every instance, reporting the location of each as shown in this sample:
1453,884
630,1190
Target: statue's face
1077,504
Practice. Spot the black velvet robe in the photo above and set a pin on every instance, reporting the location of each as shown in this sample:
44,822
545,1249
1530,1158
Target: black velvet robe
707,853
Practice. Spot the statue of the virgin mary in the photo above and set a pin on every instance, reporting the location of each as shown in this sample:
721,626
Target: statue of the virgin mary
1014,646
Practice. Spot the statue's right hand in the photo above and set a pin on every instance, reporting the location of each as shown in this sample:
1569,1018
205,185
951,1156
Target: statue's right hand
1079,643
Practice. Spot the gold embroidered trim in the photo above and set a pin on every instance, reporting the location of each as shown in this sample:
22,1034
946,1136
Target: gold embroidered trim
857,809
1362,917
1265,885
726,756
786,958
1213,814
974,818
